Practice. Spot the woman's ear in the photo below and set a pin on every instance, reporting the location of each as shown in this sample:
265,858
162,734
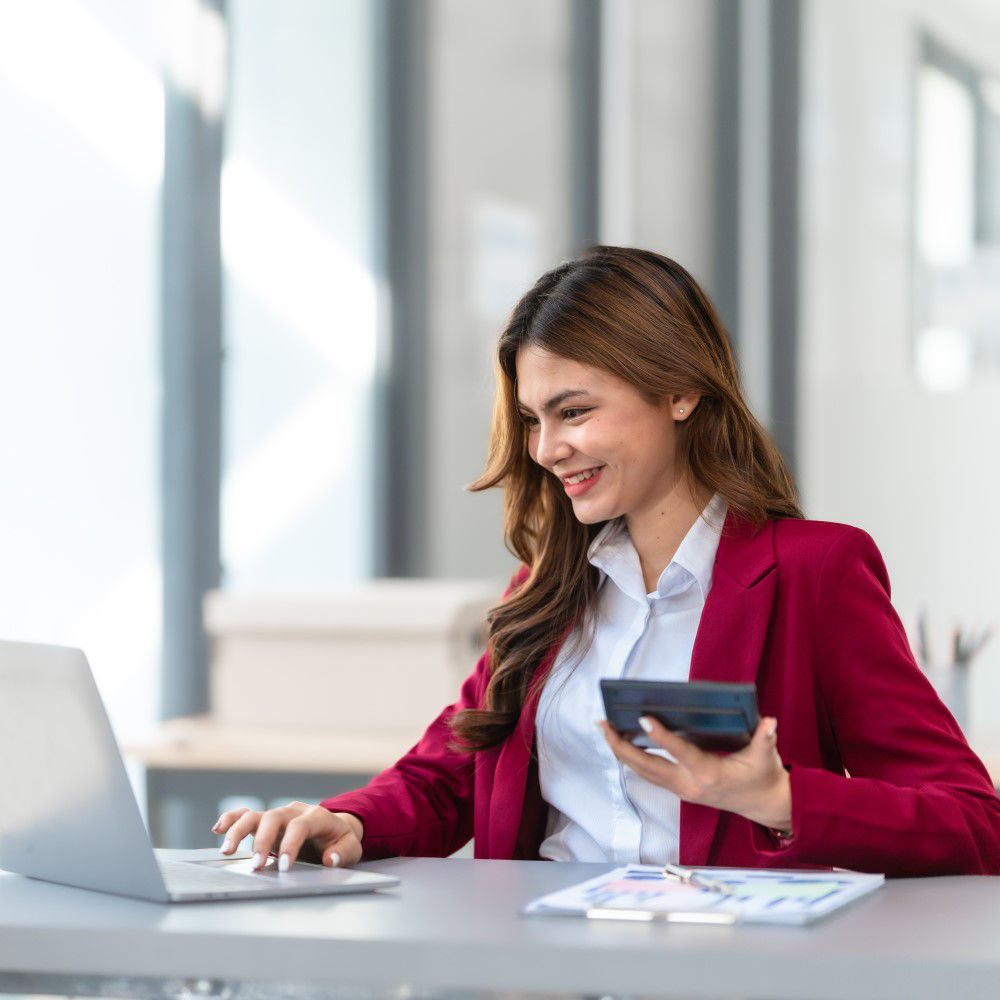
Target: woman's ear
682,405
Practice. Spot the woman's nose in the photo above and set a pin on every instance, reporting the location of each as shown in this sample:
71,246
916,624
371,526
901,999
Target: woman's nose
552,448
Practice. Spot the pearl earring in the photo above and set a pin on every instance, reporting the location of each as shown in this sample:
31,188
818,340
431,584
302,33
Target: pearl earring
681,410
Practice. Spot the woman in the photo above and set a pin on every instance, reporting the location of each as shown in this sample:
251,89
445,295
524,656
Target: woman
661,538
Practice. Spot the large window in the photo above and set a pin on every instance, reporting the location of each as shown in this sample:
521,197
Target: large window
957,287
81,114
297,243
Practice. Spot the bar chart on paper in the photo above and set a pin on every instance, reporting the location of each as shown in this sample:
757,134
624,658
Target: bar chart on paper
752,895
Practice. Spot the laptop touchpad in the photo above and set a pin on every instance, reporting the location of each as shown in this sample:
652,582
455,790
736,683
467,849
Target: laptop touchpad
242,866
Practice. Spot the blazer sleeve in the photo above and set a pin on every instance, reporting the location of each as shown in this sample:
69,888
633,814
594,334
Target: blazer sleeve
423,804
917,800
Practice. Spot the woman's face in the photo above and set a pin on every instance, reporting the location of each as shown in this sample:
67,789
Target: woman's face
584,420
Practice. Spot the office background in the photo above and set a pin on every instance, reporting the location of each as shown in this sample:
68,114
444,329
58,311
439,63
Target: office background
255,257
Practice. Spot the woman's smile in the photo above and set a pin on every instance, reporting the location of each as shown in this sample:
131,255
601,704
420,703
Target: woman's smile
582,482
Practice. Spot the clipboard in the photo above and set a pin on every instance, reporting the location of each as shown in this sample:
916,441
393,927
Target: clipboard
649,893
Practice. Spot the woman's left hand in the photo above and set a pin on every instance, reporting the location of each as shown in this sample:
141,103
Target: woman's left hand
751,782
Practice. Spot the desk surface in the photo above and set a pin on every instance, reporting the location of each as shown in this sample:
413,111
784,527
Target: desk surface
453,926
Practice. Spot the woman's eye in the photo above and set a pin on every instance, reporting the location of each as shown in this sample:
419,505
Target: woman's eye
569,414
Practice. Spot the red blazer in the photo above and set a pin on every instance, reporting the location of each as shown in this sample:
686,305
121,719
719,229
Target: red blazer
882,779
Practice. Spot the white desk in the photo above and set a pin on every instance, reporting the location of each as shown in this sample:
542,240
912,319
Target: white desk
452,929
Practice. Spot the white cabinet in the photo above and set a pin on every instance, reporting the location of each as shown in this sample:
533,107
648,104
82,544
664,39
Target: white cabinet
377,659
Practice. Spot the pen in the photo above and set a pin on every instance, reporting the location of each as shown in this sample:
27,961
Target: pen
670,917
691,877
923,642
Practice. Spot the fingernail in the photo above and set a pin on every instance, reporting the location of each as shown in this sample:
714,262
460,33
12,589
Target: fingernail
255,862
335,859
773,730
215,827
646,723
226,846
283,863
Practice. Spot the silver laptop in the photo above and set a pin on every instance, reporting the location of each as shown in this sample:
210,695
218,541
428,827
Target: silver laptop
67,812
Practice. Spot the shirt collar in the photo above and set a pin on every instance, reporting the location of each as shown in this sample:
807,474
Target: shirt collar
696,553
613,553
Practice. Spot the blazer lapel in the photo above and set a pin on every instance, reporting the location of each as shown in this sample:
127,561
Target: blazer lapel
513,764
729,643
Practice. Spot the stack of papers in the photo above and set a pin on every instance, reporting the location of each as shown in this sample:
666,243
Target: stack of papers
756,895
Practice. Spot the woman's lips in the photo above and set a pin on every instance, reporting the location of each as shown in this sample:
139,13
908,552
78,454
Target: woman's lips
578,489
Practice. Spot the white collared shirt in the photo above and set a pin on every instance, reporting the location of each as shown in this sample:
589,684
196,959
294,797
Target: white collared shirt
600,810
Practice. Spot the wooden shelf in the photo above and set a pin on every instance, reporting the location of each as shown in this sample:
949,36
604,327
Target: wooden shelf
198,743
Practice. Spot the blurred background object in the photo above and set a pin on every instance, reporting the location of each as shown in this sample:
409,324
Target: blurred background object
947,658
401,649
256,257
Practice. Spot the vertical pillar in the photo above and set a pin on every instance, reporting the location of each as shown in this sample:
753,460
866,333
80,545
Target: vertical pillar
785,243
191,351
402,254
585,122
757,191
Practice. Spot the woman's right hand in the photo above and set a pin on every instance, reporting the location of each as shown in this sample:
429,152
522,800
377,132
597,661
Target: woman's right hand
288,831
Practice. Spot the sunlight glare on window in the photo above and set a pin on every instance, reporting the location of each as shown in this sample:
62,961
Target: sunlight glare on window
320,291
195,47
59,55
946,169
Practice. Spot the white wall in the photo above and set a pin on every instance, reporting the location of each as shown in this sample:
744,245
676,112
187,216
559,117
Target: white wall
674,121
920,472
499,114
499,139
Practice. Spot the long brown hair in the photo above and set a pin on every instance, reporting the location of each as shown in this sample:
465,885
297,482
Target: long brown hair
643,318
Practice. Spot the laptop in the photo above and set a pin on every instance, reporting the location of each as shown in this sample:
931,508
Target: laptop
67,812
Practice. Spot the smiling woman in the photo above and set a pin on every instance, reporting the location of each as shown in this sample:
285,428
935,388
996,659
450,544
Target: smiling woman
628,340
661,539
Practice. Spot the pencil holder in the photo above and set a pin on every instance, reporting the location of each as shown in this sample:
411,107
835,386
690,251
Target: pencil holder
948,672
953,687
